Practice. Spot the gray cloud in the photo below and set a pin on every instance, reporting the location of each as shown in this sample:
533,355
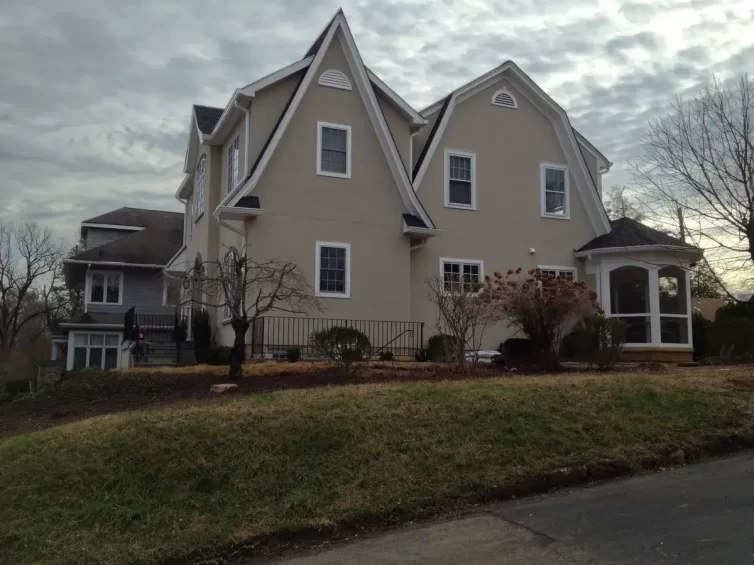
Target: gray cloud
95,96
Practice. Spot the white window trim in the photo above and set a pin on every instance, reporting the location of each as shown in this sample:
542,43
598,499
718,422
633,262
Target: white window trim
318,247
88,288
201,188
542,185
462,262
458,153
71,346
347,129
559,269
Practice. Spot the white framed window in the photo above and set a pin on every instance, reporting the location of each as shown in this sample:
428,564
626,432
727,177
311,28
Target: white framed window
332,270
555,191
172,288
568,273
333,150
233,164
201,170
461,274
94,350
104,287
460,179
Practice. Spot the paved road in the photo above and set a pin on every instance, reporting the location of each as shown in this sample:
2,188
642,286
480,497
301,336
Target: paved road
698,514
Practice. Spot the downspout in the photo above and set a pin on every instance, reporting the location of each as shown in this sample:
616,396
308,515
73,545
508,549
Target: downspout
246,142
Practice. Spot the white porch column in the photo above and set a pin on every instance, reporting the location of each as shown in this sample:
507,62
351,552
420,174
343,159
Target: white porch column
654,304
688,306
603,275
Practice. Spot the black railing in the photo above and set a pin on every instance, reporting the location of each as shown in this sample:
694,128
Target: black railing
272,336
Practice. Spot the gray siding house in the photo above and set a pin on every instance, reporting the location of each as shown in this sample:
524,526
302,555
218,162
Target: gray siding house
121,268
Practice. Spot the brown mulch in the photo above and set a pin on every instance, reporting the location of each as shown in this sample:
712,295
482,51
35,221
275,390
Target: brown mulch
87,394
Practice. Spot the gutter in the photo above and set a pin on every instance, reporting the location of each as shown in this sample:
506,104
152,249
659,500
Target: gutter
113,264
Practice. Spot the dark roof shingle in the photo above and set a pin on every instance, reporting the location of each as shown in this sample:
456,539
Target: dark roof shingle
156,244
207,117
414,221
248,202
630,233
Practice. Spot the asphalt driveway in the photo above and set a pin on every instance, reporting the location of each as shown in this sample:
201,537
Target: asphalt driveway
697,514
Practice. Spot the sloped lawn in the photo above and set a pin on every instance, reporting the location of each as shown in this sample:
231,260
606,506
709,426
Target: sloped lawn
146,486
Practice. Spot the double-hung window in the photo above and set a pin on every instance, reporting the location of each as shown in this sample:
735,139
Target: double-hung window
568,273
461,274
95,350
201,170
333,150
460,179
233,164
554,191
333,270
104,287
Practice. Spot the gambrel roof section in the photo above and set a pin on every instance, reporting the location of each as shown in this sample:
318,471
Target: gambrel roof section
542,101
338,28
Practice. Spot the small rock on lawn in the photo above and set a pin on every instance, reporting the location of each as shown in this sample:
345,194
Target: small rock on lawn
222,388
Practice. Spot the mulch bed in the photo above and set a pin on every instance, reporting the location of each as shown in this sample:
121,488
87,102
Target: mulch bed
87,394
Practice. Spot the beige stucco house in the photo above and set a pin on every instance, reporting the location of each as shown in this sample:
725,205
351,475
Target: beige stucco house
323,163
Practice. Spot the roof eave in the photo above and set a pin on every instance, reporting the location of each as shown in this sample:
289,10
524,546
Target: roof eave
640,249
236,213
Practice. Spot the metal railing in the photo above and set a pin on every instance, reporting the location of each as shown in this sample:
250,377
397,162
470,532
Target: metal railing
272,336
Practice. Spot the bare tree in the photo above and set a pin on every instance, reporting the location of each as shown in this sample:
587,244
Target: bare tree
464,312
700,159
623,204
30,279
249,289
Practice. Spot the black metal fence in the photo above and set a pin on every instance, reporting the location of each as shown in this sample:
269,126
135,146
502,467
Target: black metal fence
272,336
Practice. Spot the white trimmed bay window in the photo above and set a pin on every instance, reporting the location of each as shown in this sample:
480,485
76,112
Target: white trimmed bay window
93,350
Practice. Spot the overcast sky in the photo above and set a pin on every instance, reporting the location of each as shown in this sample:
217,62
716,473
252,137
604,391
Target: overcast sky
95,95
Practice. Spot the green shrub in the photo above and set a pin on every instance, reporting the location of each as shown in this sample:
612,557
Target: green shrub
342,345
16,387
702,330
387,356
733,337
293,354
441,347
202,334
218,355
421,356
597,340
734,311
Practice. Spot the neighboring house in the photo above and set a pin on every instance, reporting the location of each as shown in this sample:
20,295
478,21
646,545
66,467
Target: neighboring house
126,251
323,163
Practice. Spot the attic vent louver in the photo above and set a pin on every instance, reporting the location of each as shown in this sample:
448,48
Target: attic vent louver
504,98
334,79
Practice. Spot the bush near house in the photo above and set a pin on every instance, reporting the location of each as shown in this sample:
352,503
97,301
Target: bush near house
157,485
342,345
732,333
598,340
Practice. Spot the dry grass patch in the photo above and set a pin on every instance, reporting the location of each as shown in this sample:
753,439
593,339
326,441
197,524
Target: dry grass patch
144,486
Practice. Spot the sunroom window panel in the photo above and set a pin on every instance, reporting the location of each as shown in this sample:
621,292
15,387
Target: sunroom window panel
638,329
672,287
674,330
79,357
111,358
629,288
95,357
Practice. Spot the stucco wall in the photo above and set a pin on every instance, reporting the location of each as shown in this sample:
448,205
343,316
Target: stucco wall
509,146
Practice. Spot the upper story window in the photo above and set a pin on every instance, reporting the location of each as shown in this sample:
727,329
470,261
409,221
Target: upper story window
554,189
460,179
104,287
461,274
201,170
333,150
568,273
233,164
333,270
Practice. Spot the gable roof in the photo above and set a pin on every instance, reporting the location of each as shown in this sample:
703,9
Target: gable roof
338,25
207,117
155,244
585,184
627,232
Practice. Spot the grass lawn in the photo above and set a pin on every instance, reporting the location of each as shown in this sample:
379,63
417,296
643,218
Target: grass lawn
144,486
